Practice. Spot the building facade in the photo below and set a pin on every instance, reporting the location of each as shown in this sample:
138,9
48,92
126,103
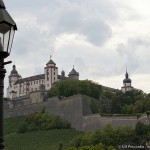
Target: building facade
19,86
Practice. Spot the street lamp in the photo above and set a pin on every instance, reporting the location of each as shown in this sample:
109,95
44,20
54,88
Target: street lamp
7,31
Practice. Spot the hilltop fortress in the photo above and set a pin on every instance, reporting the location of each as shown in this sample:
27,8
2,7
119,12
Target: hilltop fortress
27,95
23,87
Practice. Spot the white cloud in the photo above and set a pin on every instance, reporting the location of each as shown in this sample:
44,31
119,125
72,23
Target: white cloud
99,37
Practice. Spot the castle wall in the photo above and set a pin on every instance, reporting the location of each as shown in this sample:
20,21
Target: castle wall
95,121
74,109
23,110
69,109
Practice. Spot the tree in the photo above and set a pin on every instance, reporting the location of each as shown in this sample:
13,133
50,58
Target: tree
139,107
141,129
128,109
71,87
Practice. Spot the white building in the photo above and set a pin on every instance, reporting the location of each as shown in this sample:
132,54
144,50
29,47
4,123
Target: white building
126,83
19,86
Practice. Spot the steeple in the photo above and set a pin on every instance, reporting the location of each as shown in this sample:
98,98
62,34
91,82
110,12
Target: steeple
126,75
127,79
50,61
126,83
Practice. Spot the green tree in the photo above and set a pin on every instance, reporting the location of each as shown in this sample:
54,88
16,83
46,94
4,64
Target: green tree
108,135
128,109
141,129
71,87
139,107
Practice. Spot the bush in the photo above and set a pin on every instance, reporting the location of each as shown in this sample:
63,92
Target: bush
42,121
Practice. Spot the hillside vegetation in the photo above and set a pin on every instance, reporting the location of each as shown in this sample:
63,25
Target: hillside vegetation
42,121
132,102
110,138
36,140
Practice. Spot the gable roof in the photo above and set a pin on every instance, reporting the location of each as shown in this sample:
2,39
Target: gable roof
32,78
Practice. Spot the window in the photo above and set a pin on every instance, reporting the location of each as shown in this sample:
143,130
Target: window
47,84
36,82
54,73
47,78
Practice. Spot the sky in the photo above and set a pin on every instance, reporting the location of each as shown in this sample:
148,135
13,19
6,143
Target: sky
101,38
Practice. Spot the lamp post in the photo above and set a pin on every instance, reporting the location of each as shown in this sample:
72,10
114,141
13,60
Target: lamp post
7,31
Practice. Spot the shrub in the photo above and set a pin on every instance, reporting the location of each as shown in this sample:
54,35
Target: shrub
42,121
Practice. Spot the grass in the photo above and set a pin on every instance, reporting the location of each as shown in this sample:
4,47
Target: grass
11,124
41,140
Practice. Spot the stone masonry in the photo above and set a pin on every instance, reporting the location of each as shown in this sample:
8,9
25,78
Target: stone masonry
73,109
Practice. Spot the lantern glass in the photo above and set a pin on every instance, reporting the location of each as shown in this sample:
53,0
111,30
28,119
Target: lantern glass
6,38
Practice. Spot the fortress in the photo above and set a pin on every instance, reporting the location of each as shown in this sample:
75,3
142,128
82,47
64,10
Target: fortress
24,87
27,95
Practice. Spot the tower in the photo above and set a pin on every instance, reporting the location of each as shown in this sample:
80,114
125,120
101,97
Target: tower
73,74
51,74
14,76
126,83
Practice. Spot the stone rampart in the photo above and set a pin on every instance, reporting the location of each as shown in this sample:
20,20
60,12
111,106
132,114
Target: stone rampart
74,109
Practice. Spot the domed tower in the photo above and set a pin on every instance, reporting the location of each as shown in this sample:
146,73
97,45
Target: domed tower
73,74
13,77
126,83
51,74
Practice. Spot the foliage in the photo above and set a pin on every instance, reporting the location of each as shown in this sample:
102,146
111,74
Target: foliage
95,147
93,104
141,129
112,137
131,102
42,121
71,87
60,146
40,140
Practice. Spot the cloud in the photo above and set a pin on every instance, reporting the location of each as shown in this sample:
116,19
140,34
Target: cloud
135,54
99,37
66,16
